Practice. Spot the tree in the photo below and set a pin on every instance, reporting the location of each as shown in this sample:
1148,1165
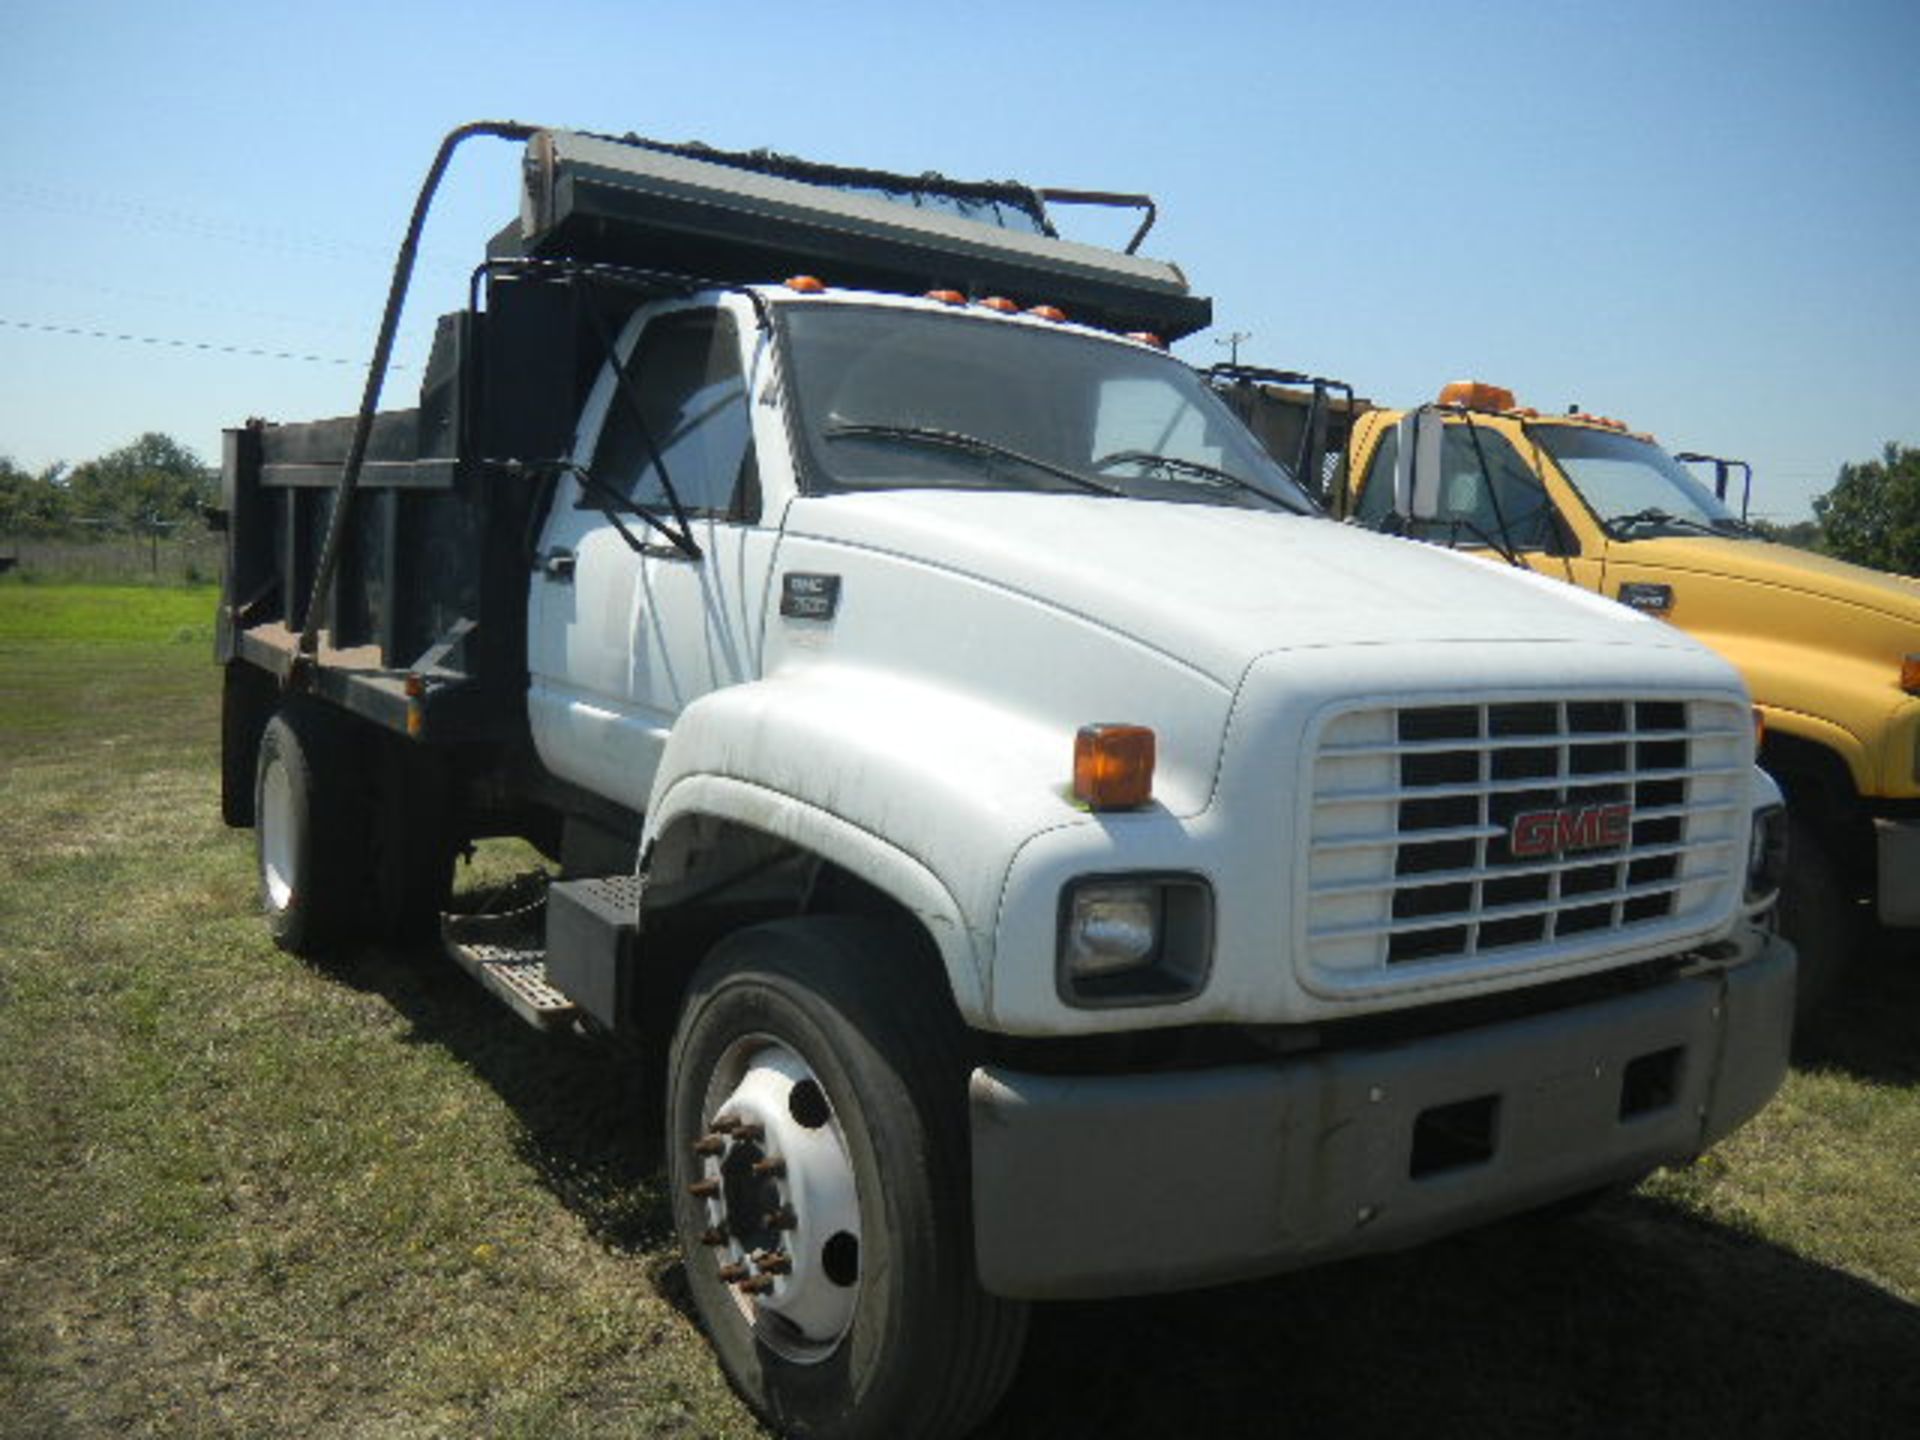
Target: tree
153,481
31,504
1801,534
1872,514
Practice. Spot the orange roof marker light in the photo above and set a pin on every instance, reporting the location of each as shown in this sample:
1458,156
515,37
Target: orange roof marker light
806,284
1001,304
1910,674
1146,337
947,297
1476,395
1048,312
1113,766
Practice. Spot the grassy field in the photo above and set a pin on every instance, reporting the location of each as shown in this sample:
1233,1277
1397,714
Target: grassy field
246,1195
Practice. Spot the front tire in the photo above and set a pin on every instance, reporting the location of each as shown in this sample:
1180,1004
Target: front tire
1821,918
819,1161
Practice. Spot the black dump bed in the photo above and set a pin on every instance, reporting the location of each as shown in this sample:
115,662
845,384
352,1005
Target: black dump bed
422,624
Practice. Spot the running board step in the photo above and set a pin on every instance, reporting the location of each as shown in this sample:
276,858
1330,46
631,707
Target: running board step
507,954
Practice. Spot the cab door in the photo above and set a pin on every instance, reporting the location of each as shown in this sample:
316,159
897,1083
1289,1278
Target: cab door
628,629
1488,493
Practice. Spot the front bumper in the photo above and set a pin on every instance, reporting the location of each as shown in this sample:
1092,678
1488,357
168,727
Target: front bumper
1129,1184
1898,844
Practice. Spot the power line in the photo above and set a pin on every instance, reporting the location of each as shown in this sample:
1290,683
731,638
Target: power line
178,344
156,217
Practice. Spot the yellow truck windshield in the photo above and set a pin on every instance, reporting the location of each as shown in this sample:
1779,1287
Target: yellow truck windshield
1633,486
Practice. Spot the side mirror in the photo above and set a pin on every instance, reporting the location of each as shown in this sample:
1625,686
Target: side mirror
1416,466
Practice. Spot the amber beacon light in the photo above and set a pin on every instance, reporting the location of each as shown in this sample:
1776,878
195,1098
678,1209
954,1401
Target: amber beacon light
1113,766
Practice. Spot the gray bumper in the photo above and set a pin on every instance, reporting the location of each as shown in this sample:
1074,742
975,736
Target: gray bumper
1899,847
1129,1184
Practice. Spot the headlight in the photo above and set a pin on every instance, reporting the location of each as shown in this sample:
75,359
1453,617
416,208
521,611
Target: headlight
1134,939
1767,853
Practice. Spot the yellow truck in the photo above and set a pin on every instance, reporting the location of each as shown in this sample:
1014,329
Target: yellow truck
1830,651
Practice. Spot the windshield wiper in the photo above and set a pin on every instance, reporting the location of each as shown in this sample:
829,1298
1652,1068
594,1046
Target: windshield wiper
970,444
1620,525
1151,459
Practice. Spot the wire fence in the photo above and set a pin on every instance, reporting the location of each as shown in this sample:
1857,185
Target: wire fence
184,558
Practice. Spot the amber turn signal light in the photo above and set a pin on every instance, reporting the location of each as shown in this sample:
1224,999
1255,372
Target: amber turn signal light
1113,766
1910,674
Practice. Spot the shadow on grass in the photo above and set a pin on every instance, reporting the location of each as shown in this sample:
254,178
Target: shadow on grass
587,1109
1871,1028
1634,1319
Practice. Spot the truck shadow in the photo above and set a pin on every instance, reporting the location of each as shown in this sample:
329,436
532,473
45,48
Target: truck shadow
1869,1029
585,1108
1634,1318
1631,1320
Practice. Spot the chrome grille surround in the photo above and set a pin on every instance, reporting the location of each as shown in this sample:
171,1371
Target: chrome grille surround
1413,880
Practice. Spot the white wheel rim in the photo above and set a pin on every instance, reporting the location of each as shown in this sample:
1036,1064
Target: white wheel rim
279,845
766,1105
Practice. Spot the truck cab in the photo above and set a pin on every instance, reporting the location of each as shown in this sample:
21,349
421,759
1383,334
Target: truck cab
1827,648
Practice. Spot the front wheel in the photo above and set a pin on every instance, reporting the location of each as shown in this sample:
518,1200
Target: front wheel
1822,919
819,1162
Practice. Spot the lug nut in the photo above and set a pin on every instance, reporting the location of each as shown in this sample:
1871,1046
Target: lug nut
782,1219
710,1145
704,1189
758,1285
774,1262
750,1131
714,1235
773,1166
726,1124
733,1272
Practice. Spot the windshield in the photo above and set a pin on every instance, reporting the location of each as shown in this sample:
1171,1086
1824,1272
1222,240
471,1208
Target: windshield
891,398
1633,486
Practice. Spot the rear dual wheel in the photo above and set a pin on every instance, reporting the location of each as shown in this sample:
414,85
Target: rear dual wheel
819,1164
349,832
310,830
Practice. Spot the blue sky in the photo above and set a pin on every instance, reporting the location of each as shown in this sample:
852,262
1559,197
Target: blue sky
1701,218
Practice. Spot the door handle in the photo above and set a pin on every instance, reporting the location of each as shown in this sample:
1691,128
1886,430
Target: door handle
558,565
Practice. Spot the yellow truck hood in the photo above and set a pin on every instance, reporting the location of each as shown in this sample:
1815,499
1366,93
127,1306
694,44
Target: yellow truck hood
1780,566
1818,640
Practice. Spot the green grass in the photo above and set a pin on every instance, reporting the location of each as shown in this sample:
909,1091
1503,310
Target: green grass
244,1195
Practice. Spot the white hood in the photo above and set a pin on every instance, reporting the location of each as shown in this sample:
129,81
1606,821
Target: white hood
1218,587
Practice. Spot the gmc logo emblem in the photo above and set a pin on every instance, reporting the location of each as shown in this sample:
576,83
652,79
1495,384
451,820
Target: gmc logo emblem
1554,832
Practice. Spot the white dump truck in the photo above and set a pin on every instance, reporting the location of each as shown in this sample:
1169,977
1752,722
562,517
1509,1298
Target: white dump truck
1043,855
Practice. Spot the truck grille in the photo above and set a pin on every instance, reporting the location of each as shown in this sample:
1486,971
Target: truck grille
1471,837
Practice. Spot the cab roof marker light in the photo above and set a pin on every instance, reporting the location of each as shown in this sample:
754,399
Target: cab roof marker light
999,304
1910,674
1146,337
1113,766
1476,395
947,297
1048,312
805,284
